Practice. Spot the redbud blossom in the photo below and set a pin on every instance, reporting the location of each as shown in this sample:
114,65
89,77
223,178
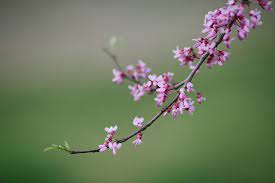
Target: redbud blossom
255,17
155,79
137,91
265,4
114,146
221,57
189,87
103,147
138,122
111,129
118,76
141,70
109,140
138,141
200,98
184,55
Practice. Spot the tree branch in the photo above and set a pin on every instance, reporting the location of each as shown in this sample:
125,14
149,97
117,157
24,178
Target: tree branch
177,86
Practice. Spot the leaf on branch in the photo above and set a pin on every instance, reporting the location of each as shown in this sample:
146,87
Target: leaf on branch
66,147
116,42
113,41
49,148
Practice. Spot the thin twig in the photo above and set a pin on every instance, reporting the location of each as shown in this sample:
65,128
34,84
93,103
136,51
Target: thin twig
114,59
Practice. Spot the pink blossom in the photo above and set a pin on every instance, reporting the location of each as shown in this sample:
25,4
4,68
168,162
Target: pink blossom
243,28
189,87
160,99
162,95
155,79
231,2
211,61
138,122
161,90
108,140
130,70
184,103
203,45
147,86
167,77
103,147
182,95
255,17
181,107
141,67
141,70
219,19
265,4
138,140
118,76
222,56
111,130
200,98
162,84
114,146
227,39
184,55
137,91
188,105
175,110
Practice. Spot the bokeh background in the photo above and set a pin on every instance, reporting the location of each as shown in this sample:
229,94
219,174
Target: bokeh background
55,85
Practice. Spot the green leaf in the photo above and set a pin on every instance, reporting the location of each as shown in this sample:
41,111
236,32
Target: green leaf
66,145
49,148
116,43
113,41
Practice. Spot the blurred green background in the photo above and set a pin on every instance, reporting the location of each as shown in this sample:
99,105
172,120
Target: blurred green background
55,85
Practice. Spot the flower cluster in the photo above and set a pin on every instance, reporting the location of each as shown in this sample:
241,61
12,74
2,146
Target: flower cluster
138,122
137,91
118,76
265,4
161,84
109,143
200,98
136,73
185,55
184,102
219,22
